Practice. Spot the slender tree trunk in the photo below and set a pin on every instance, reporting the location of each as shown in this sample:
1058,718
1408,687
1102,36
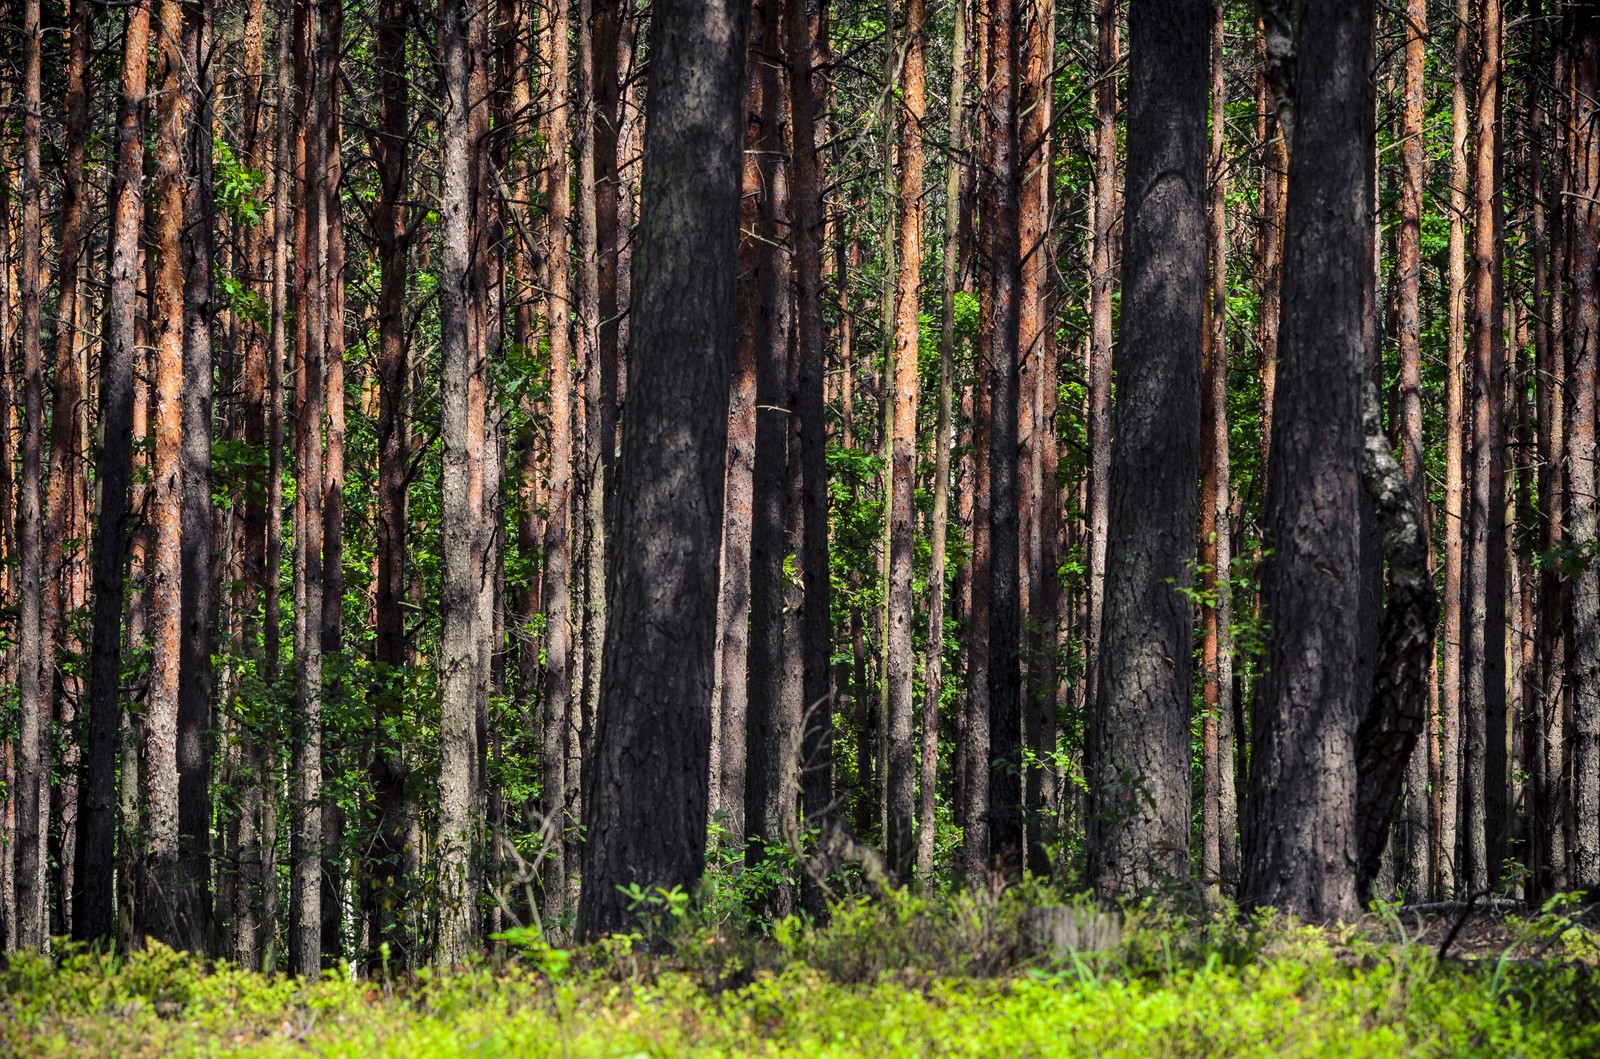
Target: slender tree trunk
33,702
1102,281
67,520
1445,855
161,896
899,841
305,840
93,917
463,373
1483,722
999,211
1300,843
1418,867
1139,727
1584,42
647,811
933,664
1219,857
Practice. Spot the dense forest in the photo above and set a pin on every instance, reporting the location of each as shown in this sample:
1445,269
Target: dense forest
474,467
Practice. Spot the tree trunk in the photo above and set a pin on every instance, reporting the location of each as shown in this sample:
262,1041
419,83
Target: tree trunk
1484,777
391,148
1584,671
67,524
33,653
1445,854
464,624
1102,281
900,839
647,810
1418,867
933,664
1219,813
557,591
999,211
161,895
93,917
198,599
306,837
1139,727
1300,843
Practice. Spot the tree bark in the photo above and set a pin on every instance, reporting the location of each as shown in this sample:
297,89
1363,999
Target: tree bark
1484,779
94,917
1300,842
1102,281
647,811
1139,728
900,839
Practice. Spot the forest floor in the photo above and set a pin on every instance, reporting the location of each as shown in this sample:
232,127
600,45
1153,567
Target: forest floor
895,976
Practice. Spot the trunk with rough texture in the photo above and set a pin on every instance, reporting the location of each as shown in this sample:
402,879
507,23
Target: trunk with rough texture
33,654
1038,502
1418,868
1445,854
1138,755
557,590
386,886
999,331
305,837
933,665
463,622
646,813
1584,669
97,818
1300,845
1102,282
1219,812
772,774
67,494
1484,779
198,599
899,841
160,898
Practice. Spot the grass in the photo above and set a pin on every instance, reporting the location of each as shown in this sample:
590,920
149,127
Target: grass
896,976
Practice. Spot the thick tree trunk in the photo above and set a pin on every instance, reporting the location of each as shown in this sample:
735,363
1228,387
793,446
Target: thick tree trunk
1300,842
93,917
647,810
1139,727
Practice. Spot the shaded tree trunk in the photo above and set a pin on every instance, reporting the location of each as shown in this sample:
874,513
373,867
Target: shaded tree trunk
647,810
93,917
1139,726
1300,843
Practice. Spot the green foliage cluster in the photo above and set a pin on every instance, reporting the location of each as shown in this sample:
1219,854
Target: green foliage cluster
897,975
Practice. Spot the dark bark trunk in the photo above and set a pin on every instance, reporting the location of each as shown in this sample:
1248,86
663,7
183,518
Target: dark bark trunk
1300,842
1139,727
647,810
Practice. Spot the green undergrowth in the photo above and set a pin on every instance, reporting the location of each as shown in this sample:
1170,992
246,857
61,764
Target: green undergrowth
893,976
